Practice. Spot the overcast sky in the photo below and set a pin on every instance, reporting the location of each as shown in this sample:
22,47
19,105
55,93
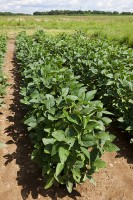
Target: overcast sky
29,6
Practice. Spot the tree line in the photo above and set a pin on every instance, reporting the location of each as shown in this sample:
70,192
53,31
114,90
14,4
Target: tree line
11,14
68,12
80,12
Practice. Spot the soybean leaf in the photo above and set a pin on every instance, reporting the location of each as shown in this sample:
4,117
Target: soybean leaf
65,91
106,120
59,135
86,152
50,101
90,95
71,98
59,168
109,147
49,182
47,141
69,186
63,154
88,140
98,164
54,149
104,136
76,174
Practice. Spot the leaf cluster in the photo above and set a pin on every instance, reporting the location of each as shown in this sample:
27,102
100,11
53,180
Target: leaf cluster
66,124
102,65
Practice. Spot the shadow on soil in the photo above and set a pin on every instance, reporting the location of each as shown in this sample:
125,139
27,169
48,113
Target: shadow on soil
29,176
123,142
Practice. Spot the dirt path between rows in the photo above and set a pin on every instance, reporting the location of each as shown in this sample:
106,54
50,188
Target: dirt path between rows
20,179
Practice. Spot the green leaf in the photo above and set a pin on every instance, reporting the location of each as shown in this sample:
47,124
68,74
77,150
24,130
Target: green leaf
60,179
100,126
34,153
65,91
59,100
112,137
89,110
91,125
70,141
51,118
76,174
63,154
72,118
99,164
90,95
48,130
129,128
85,121
71,98
81,92
86,152
34,96
109,147
49,182
109,75
110,82
47,141
31,122
69,186
47,149
107,112
131,101
131,141
104,136
91,180
59,168
59,135
88,140
120,119
78,164
106,120
54,149
50,101
52,110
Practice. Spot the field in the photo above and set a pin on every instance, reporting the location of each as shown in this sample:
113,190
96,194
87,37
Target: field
70,88
113,27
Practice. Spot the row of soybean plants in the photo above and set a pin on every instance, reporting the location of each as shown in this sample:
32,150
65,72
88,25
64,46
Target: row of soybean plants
65,121
2,77
103,66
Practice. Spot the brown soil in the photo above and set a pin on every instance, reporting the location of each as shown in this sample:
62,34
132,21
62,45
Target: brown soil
20,179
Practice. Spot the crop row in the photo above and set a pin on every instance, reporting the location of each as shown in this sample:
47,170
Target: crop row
66,121
2,77
102,65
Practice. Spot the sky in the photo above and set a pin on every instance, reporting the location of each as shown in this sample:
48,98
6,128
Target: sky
30,6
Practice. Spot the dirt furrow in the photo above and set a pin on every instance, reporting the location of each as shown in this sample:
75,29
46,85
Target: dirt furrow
7,171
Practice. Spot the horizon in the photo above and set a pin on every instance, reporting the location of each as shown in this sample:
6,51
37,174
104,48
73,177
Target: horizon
44,11
29,7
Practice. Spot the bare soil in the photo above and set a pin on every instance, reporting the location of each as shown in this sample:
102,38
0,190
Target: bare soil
20,178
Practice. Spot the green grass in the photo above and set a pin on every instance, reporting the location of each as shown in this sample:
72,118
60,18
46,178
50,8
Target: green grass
112,27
